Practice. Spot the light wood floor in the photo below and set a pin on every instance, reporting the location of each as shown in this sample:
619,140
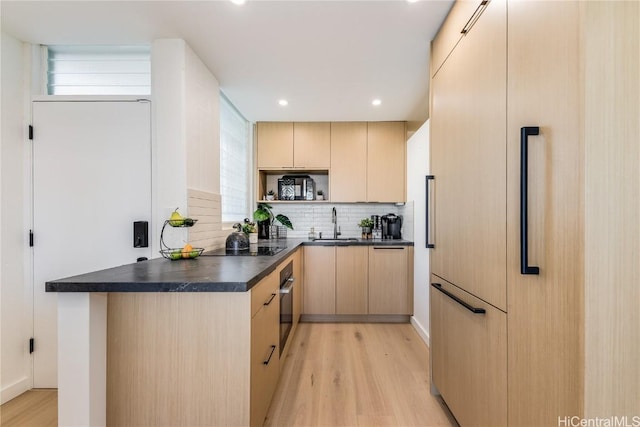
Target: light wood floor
35,408
362,374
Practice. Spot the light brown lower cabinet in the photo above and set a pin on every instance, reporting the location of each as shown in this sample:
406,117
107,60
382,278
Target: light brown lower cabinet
194,358
319,280
358,280
469,355
265,355
390,280
352,280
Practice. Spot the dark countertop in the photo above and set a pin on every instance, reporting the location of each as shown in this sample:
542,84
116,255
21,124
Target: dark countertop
203,274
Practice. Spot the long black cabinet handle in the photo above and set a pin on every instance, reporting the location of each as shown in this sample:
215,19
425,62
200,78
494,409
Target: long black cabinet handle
525,132
270,299
266,362
475,310
426,191
476,15
393,248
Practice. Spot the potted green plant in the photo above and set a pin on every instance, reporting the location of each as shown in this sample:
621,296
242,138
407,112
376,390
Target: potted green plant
271,195
250,230
264,216
366,224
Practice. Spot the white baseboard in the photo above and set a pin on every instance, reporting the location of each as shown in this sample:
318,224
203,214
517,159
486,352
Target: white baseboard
14,390
424,334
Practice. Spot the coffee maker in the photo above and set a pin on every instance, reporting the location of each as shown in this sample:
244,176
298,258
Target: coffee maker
391,226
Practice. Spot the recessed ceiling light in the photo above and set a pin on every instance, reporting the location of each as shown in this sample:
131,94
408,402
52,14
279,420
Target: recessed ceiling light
376,102
238,2
412,1
283,102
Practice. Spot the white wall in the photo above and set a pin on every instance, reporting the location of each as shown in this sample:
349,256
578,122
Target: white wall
15,370
202,109
417,168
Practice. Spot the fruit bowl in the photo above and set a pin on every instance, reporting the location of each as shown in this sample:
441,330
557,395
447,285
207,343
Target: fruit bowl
177,253
182,222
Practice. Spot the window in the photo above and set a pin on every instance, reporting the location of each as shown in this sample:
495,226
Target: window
235,162
99,70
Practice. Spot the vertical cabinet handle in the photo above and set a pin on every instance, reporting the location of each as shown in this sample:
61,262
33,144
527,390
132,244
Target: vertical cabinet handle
525,132
426,192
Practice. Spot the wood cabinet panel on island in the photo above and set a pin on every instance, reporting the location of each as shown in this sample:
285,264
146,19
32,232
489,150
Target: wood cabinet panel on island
194,358
265,343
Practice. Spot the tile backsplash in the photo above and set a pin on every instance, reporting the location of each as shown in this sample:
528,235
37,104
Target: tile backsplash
303,216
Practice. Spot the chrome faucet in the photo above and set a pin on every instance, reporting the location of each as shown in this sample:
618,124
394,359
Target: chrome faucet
334,220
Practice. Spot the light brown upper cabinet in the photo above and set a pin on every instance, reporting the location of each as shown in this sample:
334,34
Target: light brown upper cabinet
461,14
386,161
348,162
275,144
286,145
311,145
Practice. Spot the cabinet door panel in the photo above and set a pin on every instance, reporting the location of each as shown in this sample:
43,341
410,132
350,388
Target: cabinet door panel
386,161
545,310
352,277
348,162
265,337
450,32
311,145
319,280
275,144
468,159
469,357
390,290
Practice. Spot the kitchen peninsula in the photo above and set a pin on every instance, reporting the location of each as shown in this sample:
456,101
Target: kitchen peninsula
189,342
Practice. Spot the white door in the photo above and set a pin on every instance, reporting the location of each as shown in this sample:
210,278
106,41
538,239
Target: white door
91,181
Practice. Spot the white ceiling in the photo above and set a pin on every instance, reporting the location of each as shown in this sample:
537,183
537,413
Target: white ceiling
329,59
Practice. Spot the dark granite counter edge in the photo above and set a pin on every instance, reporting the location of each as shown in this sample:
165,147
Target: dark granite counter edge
91,282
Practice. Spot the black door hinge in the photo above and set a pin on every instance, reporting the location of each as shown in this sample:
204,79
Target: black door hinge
30,238
31,345
31,132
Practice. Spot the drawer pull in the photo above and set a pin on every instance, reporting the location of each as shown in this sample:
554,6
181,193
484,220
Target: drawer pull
475,310
388,249
270,299
266,362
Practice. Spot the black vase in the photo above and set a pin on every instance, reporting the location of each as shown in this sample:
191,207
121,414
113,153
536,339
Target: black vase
263,229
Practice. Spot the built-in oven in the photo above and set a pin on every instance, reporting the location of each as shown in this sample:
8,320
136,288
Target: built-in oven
286,303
